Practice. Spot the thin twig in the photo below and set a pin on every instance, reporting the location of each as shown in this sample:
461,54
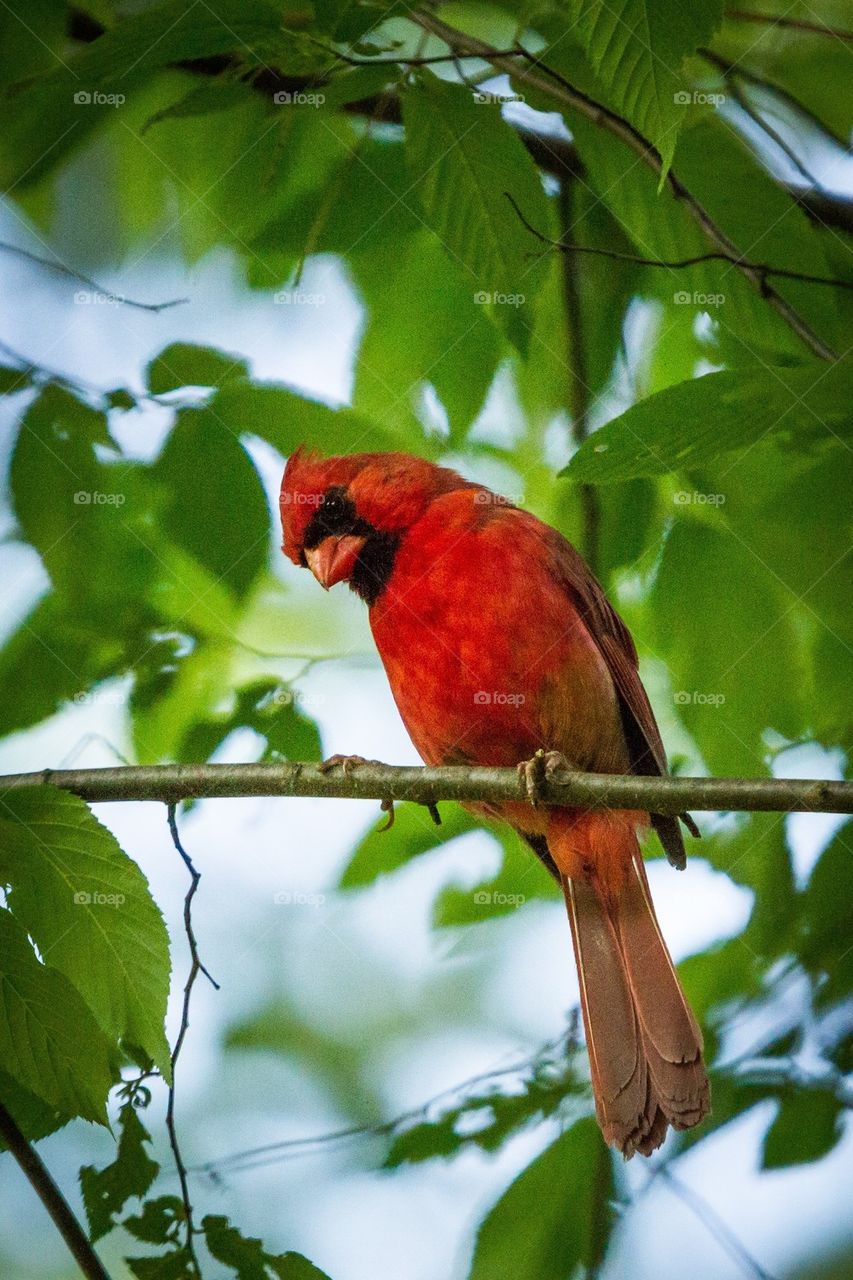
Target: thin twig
732,75
784,94
560,90
762,269
40,1179
196,967
271,1152
794,24
719,1229
371,780
106,294
420,61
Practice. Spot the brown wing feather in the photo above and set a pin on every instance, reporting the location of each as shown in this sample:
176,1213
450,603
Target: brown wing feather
616,645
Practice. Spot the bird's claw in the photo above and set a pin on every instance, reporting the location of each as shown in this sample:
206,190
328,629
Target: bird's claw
541,768
347,763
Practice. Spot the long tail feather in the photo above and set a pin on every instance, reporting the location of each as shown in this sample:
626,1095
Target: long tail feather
645,1048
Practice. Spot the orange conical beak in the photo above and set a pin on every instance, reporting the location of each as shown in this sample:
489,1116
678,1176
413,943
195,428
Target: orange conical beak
334,559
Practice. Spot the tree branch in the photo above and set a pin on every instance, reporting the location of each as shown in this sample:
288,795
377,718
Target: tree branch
761,268
793,24
718,1228
52,1198
539,76
106,294
371,780
196,967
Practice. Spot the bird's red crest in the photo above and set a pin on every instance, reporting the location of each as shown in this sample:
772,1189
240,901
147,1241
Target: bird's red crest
307,476
390,490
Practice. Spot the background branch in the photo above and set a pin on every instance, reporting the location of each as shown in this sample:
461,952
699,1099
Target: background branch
196,967
761,268
61,269
792,24
54,1201
370,780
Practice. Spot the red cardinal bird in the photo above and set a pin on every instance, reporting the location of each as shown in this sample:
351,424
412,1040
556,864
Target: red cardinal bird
499,643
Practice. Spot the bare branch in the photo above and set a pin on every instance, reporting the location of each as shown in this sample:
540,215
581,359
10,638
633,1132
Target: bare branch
793,24
52,1198
719,1229
556,1052
196,967
371,780
106,294
761,268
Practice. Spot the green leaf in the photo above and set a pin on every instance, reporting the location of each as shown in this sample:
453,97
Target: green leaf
184,365
563,1199
62,658
286,419
348,215
121,399
79,509
832,698
174,1265
804,64
380,852
295,1266
51,117
33,1116
246,1255
106,1191
626,525
424,328
159,1222
174,691
49,1041
605,286
271,710
759,216
347,20
636,48
756,855
807,1127
464,159
696,422
755,212
724,628
88,908
521,877
488,1119
202,100
217,509
14,380
32,37
356,85
827,919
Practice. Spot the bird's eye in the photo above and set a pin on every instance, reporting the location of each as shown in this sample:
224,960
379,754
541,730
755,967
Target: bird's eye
332,503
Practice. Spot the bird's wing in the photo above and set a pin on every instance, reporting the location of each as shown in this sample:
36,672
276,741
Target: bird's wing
645,747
